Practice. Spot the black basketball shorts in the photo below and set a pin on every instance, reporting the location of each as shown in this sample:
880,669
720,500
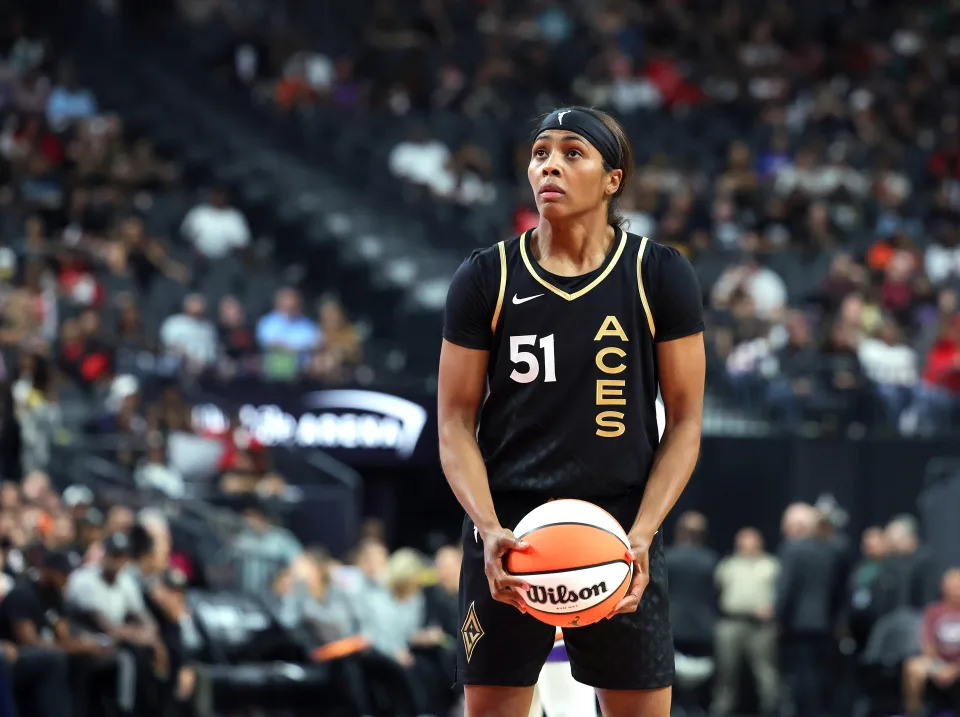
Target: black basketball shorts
499,645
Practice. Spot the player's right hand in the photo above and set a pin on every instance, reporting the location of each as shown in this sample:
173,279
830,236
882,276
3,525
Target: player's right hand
503,586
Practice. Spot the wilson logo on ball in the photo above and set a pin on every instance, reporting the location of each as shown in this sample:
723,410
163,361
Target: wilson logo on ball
539,595
576,564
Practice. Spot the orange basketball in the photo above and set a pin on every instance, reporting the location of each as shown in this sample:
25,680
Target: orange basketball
577,565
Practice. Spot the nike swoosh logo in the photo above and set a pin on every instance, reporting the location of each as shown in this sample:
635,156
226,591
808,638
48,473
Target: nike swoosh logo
525,299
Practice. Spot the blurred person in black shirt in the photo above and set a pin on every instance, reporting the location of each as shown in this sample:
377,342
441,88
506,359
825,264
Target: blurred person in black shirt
690,569
797,386
693,606
56,668
163,589
908,576
441,598
442,605
863,605
808,602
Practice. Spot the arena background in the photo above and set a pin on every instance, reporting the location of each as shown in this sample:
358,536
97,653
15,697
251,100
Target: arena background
227,230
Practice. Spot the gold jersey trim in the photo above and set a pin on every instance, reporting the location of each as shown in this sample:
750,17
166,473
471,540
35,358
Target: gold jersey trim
560,292
643,293
503,287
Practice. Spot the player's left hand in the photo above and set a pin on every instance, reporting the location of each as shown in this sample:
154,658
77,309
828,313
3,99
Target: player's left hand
639,553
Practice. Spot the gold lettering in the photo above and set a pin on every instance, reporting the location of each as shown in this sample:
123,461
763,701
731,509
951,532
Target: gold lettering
610,392
611,350
611,327
611,424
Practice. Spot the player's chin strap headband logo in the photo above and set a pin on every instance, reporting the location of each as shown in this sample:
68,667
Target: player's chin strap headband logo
561,114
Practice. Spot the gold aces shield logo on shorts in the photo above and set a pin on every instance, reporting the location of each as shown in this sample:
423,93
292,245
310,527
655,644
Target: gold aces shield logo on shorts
471,631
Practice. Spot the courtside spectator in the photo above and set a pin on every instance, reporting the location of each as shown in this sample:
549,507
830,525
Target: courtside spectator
939,666
263,549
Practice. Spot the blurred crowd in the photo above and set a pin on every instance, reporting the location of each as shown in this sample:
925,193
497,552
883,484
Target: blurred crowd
806,159
95,617
110,263
814,628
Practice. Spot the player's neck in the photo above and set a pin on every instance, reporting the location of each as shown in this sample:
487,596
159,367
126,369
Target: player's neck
573,248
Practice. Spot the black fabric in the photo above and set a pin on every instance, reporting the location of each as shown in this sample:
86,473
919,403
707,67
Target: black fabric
41,681
581,430
587,125
806,661
693,595
27,602
441,608
627,652
811,587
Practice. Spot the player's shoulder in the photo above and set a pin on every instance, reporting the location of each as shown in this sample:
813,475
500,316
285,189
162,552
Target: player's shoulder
489,257
656,254
486,260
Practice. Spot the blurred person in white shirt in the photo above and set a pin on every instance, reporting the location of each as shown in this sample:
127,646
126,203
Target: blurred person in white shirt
190,334
214,228
891,366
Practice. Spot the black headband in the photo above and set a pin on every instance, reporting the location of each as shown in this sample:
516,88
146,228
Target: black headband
588,126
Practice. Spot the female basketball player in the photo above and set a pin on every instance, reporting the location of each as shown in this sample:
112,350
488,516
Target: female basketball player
560,339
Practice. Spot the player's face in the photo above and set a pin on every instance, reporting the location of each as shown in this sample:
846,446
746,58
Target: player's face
567,176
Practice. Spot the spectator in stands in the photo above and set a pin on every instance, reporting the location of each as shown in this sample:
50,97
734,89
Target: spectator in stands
942,258
747,581
891,366
190,335
122,415
763,285
808,599
37,411
862,608
162,588
130,331
422,160
146,256
442,597
908,575
285,335
69,102
310,601
263,549
939,666
236,339
340,349
154,472
84,354
798,383
32,615
106,599
392,618
214,228
938,393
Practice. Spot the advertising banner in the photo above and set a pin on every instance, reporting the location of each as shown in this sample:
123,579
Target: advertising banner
358,426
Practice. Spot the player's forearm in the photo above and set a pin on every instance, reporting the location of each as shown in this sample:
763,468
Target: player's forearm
672,466
466,473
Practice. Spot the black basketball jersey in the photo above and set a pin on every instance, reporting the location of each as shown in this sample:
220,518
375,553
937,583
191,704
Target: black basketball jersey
572,378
